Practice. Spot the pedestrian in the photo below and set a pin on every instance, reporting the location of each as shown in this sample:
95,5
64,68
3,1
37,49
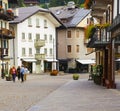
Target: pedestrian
13,72
18,72
25,72
22,73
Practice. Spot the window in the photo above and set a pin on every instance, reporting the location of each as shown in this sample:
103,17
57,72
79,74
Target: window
45,37
50,38
77,33
45,51
37,50
37,22
30,51
37,37
23,36
51,51
69,48
5,43
23,52
69,34
45,23
29,22
77,48
30,36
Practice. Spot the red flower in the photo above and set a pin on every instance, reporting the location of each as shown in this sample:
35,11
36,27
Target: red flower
9,11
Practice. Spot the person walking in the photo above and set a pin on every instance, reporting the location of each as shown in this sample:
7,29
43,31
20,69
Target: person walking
25,72
13,72
22,73
18,72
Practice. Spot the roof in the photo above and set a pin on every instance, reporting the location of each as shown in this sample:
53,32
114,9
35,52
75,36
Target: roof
73,16
26,12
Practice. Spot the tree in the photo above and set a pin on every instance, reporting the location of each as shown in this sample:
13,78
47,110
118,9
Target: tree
21,3
54,3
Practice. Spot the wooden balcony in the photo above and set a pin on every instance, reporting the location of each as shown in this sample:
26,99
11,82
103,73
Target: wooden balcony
7,34
3,52
6,14
99,7
40,56
39,43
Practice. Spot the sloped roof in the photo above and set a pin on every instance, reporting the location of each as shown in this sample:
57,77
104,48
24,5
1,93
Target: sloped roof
26,12
73,16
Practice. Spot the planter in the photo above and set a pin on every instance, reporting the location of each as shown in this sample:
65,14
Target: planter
97,79
8,78
75,76
54,73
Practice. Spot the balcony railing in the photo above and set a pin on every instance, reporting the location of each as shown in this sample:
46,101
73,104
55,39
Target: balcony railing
117,40
7,34
39,43
3,52
115,23
40,56
100,39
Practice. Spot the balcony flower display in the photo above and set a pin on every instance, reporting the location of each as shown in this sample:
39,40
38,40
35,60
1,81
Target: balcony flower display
9,11
89,31
102,26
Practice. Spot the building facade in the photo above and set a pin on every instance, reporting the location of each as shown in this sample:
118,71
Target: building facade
6,34
71,47
101,40
35,43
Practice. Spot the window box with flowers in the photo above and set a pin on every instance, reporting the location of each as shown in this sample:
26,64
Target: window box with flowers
9,11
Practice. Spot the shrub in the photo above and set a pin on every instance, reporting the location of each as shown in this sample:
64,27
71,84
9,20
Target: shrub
75,76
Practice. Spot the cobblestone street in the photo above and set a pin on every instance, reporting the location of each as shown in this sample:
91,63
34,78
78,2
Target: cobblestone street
20,96
57,93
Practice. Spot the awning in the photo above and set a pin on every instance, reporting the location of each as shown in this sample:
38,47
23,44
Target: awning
29,60
90,61
117,60
51,60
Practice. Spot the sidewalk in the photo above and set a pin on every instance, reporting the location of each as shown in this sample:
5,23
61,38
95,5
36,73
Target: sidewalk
80,95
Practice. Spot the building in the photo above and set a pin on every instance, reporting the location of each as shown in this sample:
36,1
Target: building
102,39
35,42
71,46
6,34
115,34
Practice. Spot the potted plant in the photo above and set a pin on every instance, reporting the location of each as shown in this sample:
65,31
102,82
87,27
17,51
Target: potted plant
8,76
54,72
75,76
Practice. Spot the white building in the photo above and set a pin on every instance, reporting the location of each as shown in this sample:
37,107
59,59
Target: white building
35,41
